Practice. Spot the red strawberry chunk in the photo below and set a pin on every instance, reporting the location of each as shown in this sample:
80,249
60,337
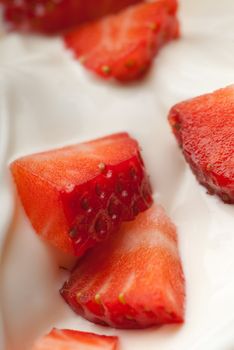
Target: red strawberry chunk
133,280
122,46
51,16
79,195
61,339
204,128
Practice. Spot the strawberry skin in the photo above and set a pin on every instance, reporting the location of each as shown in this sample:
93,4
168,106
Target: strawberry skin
63,339
52,16
78,195
133,280
204,128
122,46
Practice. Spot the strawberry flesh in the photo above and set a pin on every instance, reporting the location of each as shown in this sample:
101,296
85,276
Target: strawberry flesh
122,46
63,339
133,280
52,16
204,128
79,195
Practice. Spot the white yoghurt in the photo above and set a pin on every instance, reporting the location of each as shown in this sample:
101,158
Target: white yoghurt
47,100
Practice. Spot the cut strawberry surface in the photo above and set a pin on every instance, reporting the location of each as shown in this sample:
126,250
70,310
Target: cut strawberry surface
133,280
62,339
204,128
122,46
77,196
51,16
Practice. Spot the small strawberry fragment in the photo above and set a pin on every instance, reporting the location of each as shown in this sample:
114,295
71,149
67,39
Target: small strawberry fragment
52,16
204,128
62,339
122,46
133,280
78,195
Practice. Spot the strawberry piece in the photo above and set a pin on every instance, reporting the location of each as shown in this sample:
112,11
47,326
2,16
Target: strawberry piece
204,128
62,339
51,16
133,280
122,46
78,195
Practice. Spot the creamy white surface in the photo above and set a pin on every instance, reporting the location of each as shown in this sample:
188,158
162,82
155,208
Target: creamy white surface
48,100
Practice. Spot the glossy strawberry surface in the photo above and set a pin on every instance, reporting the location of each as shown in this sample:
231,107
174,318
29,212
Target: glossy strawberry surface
133,280
204,128
78,195
122,46
64,339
